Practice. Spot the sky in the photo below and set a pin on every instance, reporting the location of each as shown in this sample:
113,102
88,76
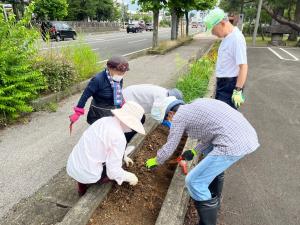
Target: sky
132,7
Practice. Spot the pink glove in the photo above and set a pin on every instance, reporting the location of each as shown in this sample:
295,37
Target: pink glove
77,113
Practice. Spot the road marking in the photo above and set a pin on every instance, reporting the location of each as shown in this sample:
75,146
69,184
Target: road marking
290,54
136,51
89,42
130,42
127,54
275,53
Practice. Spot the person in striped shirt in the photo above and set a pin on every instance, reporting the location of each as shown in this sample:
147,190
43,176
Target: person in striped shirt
224,136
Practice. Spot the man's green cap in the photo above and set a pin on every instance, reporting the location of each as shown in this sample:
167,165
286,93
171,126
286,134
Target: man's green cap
214,17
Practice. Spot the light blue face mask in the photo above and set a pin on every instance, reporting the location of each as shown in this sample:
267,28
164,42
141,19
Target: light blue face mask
167,123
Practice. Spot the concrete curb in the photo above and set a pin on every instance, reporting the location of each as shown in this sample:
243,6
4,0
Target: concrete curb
176,201
81,212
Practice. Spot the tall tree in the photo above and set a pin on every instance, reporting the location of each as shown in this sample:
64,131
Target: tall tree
179,8
154,6
81,9
51,10
107,10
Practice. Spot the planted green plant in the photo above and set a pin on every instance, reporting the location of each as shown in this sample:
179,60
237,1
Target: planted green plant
194,84
58,71
83,58
19,81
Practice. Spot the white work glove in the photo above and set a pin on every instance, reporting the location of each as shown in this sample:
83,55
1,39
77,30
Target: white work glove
131,178
128,161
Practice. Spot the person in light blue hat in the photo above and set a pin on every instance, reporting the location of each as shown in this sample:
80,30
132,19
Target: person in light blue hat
164,109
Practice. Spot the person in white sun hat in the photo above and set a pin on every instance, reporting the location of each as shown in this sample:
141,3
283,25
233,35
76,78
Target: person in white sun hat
97,157
231,66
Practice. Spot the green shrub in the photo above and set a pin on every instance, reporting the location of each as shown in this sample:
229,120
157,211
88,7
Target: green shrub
19,82
84,60
165,23
59,72
194,84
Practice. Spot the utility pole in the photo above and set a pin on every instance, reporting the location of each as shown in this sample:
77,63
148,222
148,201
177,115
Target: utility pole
256,23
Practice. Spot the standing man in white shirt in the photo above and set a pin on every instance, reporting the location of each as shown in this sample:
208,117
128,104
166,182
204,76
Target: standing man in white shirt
231,67
98,154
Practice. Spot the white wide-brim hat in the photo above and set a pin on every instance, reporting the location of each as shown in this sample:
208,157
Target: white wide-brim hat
131,114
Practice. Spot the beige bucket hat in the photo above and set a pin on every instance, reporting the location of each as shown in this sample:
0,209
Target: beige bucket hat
131,114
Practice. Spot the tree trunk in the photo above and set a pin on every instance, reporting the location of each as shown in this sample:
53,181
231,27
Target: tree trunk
281,19
177,25
155,28
16,11
187,23
173,24
297,18
261,32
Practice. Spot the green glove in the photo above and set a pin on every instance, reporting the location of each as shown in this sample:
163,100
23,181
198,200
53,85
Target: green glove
151,163
237,98
189,154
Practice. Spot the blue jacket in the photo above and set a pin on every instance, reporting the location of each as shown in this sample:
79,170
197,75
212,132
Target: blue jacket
100,88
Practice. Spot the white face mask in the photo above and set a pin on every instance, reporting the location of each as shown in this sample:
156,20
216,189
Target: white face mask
117,78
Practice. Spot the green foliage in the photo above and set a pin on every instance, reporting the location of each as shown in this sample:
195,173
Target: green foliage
147,18
83,58
51,10
59,73
19,82
165,23
194,84
101,10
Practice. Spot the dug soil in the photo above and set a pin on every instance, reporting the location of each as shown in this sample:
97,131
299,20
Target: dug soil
140,204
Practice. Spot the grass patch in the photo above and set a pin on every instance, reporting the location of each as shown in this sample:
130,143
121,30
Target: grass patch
83,58
261,42
194,84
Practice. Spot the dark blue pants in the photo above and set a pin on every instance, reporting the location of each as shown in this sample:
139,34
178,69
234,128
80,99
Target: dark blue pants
224,89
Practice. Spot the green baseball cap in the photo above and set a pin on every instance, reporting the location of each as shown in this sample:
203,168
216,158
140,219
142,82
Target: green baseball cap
214,17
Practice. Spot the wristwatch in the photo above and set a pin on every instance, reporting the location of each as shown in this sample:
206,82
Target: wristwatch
238,88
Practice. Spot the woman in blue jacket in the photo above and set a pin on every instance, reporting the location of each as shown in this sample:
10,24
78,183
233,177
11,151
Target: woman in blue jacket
106,90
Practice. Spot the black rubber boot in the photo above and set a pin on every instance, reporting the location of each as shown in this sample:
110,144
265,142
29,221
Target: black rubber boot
207,211
216,186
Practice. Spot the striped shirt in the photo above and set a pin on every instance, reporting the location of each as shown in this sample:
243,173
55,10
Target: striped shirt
211,122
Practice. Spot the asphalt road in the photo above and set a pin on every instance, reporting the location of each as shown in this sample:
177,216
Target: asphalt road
264,187
119,43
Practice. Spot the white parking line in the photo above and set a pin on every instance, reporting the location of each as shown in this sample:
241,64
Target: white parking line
130,42
290,54
294,58
275,53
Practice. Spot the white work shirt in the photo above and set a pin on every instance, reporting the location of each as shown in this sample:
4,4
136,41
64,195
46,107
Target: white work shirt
232,52
103,142
144,95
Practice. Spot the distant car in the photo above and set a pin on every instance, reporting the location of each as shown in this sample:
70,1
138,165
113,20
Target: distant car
57,30
134,28
149,27
194,25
